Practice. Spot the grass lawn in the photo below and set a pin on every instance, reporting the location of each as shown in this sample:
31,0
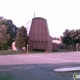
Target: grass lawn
10,52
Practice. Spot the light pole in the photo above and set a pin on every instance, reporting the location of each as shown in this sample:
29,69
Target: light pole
27,48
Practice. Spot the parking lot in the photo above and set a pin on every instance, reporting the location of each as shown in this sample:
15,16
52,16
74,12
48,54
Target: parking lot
38,66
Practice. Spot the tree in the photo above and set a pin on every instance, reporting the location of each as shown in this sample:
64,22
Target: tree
71,37
4,37
66,32
67,40
67,37
8,26
12,30
21,38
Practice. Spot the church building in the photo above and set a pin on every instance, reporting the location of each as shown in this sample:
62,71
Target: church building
39,37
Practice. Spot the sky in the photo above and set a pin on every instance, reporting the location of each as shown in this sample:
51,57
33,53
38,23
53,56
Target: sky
60,14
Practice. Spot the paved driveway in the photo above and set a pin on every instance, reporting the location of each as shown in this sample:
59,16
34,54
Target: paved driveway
38,66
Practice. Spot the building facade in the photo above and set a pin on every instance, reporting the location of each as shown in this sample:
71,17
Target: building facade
39,37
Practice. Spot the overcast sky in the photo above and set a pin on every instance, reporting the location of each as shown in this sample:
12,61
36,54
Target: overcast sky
60,14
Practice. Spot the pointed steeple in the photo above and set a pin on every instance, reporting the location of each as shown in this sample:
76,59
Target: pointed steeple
34,12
